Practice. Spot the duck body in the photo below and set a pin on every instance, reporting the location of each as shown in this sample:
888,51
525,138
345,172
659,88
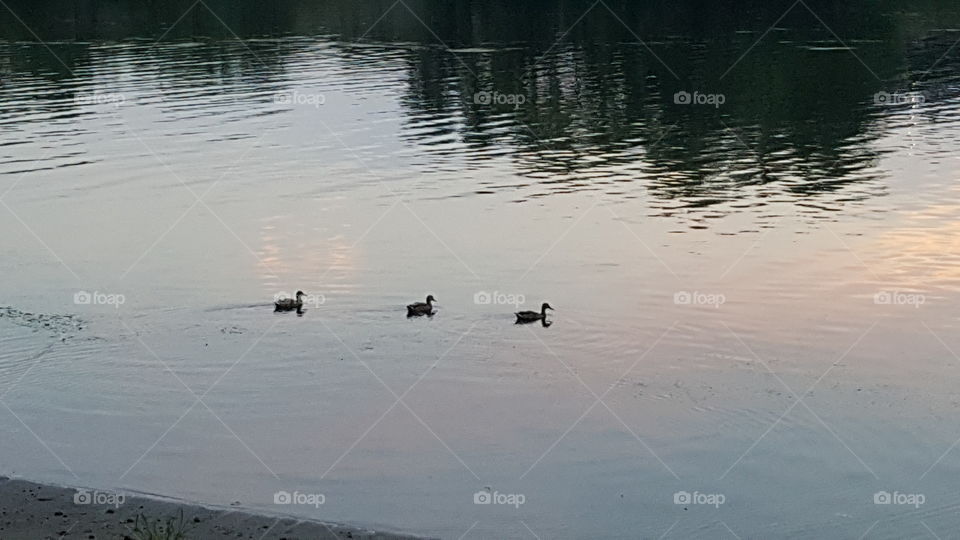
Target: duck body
421,308
533,316
289,304
529,316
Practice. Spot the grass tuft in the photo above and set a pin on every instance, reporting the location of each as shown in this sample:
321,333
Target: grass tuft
173,528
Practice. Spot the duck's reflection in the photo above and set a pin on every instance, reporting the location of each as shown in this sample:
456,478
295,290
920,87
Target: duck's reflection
299,309
543,322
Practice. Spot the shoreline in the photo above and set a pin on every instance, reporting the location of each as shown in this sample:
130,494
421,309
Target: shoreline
31,510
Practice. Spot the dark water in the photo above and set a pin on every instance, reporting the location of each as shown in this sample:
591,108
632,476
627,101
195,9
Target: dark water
754,292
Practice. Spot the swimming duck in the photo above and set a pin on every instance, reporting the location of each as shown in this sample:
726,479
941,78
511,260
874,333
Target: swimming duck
531,316
421,308
289,304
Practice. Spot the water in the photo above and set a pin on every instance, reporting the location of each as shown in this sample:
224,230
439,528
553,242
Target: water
709,265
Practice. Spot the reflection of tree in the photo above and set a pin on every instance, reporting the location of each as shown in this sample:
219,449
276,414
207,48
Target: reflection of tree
605,113
600,110
598,107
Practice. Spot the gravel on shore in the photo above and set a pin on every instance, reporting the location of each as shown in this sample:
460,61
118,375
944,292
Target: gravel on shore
36,511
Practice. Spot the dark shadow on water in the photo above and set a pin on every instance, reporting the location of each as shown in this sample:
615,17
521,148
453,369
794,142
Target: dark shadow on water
594,111
298,310
543,322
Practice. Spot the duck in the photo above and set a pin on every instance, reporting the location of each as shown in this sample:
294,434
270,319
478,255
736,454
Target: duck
289,304
532,316
421,308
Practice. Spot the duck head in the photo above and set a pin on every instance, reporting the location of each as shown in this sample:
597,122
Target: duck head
299,294
430,299
545,307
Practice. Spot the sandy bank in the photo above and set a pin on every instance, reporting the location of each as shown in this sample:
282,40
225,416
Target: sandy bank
36,511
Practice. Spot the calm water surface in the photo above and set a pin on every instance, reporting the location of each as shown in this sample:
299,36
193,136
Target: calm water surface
709,265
